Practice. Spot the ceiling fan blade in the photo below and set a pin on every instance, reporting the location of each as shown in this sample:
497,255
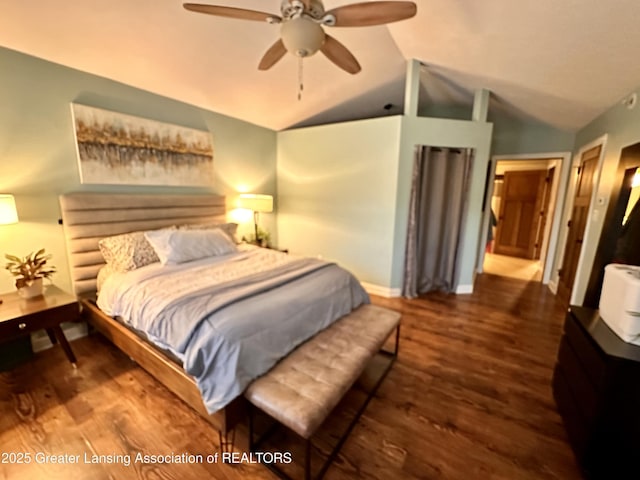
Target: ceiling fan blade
231,12
338,54
372,13
271,57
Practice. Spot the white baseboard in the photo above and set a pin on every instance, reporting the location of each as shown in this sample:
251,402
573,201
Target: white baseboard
40,340
553,286
381,291
387,292
464,289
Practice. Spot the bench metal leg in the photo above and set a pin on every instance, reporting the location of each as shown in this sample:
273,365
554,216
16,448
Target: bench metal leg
250,415
397,350
226,444
392,356
307,460
363,407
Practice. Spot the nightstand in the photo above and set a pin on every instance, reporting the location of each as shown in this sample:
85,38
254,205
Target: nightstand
281,250
19,317
269,247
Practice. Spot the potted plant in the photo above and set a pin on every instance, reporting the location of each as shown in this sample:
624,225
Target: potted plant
30,271
263,240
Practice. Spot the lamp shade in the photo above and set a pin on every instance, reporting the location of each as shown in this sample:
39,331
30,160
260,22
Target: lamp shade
255,202
8,212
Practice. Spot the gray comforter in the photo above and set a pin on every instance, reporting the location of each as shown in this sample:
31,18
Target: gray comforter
254,309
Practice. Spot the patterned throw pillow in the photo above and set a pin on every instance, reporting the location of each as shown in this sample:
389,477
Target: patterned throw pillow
127,251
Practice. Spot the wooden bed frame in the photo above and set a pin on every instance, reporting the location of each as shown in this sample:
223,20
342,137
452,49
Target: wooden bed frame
88,217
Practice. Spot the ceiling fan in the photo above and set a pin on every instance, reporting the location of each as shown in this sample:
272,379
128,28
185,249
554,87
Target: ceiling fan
301,23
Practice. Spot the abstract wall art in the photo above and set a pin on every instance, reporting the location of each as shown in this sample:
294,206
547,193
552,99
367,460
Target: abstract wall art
118,149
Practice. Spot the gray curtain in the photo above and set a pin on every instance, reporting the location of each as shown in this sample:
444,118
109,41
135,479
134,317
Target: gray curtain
436,213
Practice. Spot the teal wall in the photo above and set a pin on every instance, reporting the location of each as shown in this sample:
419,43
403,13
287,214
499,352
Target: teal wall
343,191
511,136
442,133
38,158
450,112
514,136
337,193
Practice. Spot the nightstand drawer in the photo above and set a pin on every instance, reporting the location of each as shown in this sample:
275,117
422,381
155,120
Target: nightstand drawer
20,317
15,328
34,321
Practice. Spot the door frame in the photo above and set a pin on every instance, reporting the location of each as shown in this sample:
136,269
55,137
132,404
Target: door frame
563,180
549,200
595,203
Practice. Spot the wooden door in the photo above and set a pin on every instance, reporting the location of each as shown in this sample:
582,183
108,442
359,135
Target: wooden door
579,216
519,216
544,212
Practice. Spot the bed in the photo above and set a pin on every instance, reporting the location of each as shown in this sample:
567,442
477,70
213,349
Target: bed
89,217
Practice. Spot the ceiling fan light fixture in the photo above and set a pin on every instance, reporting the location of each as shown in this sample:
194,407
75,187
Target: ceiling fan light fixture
302,37
302,22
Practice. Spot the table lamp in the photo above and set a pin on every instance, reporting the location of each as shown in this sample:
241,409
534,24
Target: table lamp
8,212
258,203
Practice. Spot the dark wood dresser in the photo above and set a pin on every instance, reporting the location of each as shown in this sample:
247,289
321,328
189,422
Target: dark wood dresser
596,385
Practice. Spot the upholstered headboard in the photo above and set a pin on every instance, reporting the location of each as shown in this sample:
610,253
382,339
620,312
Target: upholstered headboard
88,217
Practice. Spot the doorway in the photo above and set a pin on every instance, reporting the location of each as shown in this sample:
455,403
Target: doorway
586,180
523,205
525,192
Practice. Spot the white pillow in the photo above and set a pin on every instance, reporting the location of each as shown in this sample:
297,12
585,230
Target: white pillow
106,271
229,228
179,246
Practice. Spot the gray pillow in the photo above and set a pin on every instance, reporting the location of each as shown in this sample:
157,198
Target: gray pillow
229,228
180,246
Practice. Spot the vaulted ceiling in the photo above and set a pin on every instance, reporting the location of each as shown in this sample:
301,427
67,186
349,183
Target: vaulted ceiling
558,62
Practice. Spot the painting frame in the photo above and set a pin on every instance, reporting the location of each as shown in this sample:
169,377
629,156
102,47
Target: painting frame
114,148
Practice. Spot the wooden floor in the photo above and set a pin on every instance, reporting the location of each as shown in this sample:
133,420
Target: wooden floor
514,267
468,398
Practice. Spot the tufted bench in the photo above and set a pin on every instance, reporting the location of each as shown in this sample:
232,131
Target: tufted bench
303,388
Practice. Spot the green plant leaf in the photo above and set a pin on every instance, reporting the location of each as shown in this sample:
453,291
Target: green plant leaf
30,267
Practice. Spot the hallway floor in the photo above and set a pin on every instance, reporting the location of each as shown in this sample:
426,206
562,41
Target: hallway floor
514,267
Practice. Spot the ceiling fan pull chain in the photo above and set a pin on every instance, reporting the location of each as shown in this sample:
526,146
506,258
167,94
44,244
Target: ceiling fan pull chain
300,79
